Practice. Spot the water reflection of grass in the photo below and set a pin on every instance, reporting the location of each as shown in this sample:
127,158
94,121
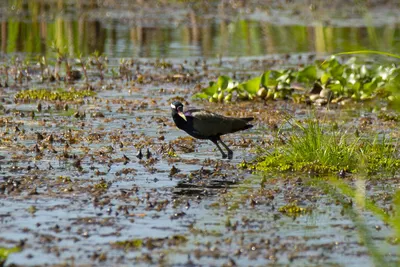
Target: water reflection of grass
353,209
224,35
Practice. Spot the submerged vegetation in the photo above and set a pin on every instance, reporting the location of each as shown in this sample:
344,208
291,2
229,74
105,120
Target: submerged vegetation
151,243
53,95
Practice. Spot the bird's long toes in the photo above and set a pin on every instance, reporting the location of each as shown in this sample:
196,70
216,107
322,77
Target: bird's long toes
230,155
224,156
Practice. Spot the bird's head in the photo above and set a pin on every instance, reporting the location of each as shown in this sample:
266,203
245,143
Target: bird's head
178,108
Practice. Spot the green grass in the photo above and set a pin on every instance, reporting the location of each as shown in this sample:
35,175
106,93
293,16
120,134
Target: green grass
311,147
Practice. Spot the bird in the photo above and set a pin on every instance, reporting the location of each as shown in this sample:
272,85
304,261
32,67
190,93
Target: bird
203,124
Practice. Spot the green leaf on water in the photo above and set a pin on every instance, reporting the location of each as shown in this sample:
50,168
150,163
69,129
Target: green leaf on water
251,86
212,89
200,95
347,80
325,78
265,80
308,74
223,82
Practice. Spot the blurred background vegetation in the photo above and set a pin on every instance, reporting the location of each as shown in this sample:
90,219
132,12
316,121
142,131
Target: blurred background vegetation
180,29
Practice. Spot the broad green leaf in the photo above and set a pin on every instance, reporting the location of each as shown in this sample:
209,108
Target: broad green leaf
223,82
342,81
251,86
211,89
337,71
371,86
308,74
335,87
269,78
325,77
265,78
357,86
200,96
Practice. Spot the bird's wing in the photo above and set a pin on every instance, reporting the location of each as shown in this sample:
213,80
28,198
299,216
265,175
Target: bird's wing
210,124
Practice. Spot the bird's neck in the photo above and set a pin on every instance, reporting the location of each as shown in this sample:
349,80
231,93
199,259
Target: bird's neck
179,121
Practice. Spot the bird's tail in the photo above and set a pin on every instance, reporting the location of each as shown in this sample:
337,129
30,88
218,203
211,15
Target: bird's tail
241,124
248,126
247,119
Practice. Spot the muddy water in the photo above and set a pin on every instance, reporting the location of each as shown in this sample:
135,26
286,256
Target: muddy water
72,199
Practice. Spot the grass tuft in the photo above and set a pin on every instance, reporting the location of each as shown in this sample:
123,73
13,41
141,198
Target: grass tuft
317,149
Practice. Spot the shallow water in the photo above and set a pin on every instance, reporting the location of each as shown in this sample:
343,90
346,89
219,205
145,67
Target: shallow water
71,204
187,31
73,222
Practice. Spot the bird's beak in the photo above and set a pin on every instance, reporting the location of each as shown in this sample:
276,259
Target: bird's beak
180,113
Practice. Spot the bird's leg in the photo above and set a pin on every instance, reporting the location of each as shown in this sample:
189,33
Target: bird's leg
230,152
220,149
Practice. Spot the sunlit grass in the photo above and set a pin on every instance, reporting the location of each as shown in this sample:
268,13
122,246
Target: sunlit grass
312,147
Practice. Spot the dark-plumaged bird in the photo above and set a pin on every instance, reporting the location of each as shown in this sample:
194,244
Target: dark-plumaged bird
202,124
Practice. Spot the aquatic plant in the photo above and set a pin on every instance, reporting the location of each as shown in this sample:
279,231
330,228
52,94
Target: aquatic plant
321,83
53,95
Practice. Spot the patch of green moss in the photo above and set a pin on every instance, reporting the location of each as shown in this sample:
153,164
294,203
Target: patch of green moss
53,95
205,232
68,113
386,116
151,243
102,185
32,209
293,210
129,244
64,179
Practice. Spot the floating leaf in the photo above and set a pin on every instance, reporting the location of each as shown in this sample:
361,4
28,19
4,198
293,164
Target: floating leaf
265,79
325,77
345,80
251,86
200,95
308,74
223,82
212,89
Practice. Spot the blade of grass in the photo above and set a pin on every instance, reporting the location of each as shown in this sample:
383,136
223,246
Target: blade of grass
382,53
